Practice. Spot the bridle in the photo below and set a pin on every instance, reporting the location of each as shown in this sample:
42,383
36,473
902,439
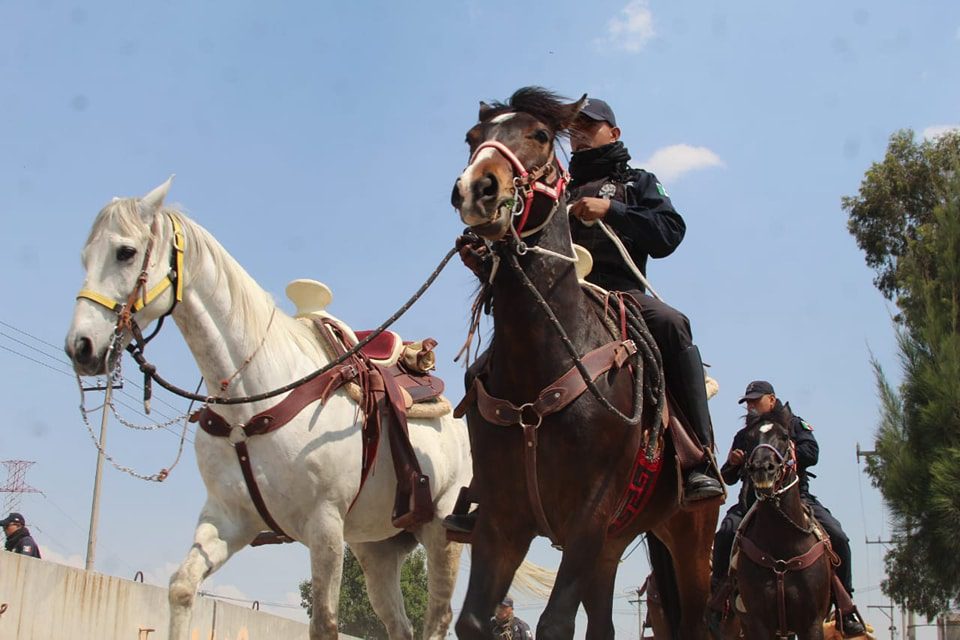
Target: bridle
527,183
139,297
787,463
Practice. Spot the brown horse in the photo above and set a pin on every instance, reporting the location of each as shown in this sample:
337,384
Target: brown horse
559,464
784,570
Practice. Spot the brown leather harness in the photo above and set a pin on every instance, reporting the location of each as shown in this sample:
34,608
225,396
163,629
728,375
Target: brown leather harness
529,416
383,406
780,567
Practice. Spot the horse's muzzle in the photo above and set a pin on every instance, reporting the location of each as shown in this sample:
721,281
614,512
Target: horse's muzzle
86,362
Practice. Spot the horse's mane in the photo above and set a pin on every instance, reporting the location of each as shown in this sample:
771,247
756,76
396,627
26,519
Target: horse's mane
543,104
780,415
251,304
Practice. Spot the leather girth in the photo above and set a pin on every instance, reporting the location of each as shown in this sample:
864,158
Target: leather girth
555,397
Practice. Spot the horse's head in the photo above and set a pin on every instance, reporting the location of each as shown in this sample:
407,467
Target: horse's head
773,459
511,159
132,257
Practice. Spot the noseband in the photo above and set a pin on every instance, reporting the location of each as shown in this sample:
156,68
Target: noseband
527,183
140,297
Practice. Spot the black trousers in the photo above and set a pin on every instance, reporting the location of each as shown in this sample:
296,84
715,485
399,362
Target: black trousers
669,327
723,542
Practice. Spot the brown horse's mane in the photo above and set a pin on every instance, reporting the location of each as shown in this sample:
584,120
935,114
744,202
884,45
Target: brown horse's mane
546,106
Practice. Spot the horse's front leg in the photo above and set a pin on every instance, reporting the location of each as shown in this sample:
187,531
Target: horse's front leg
216,538
325,540
598,593
581,553
498,549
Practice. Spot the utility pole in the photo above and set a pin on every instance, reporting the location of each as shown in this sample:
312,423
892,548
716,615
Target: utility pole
95,508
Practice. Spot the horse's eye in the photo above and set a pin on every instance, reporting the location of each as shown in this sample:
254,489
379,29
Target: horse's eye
542,136
125,253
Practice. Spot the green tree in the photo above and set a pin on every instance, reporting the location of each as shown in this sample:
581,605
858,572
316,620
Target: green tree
896,201
355,614
917,466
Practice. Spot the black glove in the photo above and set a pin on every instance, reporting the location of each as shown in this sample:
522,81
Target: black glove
475,254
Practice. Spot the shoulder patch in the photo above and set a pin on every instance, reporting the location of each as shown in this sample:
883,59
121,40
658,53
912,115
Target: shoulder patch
26,548
662,191
806,425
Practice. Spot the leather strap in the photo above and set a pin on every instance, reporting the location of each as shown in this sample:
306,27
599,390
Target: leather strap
320,388
243,456
780,569
556,396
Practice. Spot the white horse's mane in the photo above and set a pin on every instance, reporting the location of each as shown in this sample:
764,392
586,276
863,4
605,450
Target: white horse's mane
251,304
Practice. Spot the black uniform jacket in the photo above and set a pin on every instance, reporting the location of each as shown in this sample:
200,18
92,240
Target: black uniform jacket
643,217
808,453
22,542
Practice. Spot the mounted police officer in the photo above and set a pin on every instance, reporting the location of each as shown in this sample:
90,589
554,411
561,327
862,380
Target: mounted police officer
760,398
636,207
507,626
634,204
19,539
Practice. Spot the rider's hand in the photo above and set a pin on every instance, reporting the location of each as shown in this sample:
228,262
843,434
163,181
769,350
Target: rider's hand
736,457
588,209
474,253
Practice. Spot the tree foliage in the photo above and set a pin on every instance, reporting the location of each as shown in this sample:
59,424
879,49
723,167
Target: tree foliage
908,213
896,202
355,615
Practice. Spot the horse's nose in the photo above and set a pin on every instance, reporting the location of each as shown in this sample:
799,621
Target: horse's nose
81,351
485,188
456,199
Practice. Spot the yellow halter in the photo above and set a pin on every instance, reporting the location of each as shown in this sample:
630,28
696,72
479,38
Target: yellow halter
135,301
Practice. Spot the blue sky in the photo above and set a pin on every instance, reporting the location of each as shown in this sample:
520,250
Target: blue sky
314,139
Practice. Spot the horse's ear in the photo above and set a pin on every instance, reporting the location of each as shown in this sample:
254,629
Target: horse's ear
151,203
485,111
571,111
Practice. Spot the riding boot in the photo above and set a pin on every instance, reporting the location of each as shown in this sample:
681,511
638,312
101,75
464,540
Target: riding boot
462,520
686,381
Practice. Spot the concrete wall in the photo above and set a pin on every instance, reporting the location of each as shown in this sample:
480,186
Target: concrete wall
48,601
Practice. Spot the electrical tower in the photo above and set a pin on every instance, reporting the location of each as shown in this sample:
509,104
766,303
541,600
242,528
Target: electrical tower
16,484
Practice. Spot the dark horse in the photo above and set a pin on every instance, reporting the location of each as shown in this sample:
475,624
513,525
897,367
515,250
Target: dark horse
784,569
556,461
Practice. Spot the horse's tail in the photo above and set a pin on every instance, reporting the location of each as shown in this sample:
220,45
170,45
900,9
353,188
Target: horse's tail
666,578
533,580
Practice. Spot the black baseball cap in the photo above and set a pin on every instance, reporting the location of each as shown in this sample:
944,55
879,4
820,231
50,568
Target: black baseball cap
507,602
13,518
756,389
597,109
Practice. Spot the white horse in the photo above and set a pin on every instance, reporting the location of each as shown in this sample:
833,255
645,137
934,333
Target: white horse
309,470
